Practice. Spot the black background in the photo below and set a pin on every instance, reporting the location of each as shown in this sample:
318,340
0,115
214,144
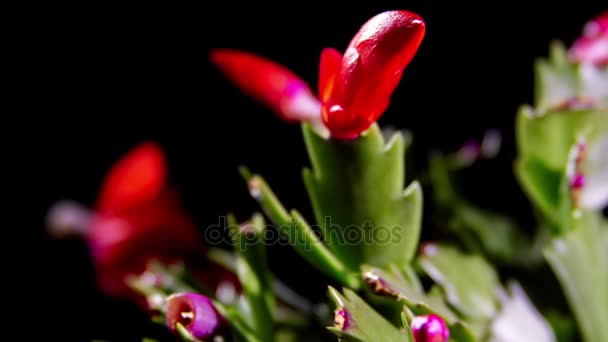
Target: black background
105,77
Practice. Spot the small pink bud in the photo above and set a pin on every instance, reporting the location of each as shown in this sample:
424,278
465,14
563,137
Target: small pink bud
430,328
342,319
378,285
195,312
577,181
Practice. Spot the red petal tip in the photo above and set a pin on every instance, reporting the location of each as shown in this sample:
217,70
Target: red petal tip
268,82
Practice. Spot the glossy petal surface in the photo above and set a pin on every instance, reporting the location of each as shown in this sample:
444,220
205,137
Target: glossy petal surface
370,70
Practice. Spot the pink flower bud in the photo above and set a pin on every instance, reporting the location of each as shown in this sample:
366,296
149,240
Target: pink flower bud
196,313
429,328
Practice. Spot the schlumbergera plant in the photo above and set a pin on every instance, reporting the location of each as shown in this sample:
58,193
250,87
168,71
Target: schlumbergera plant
387,285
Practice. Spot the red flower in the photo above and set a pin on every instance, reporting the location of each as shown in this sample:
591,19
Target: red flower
137,218
592,45
354,89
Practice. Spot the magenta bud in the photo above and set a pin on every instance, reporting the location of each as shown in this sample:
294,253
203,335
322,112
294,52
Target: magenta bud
378,285
195,312
342,319
577,181
429,328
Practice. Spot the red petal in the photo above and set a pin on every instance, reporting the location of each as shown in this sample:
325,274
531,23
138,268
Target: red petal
382,48
329,69
371,69
138,177
268,82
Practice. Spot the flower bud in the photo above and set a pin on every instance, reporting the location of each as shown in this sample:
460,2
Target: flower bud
429,328
342,319
194,312
355,88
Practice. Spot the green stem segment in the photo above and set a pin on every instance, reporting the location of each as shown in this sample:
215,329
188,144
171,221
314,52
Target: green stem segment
360,206
298,232
579,258
547,136
357,192
235,318
253,273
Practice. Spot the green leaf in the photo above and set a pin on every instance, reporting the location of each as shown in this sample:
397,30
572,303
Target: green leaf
356,190
293,227
362,322
459,332
518,319
409,291
549,137
253,273
222,257
235,318
548,190
406,319
283,293
579,259
468,281
404,286
545,143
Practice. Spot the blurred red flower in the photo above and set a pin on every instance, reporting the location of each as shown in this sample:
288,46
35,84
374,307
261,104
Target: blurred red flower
138,218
